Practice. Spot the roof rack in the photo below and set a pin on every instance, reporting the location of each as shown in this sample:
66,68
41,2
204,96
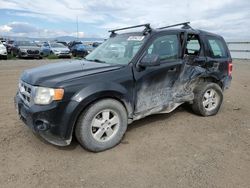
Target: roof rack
145,31
185,25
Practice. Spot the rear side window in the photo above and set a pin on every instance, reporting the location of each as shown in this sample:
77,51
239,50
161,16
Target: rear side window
193,45
217,48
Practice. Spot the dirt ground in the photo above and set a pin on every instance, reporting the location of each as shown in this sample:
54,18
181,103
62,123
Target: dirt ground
178,149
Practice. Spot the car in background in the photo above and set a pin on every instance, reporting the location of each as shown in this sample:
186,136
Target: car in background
62,42
3,51
79,50
55,48
3,42
25,49
89,48
73,43
96,44
9,45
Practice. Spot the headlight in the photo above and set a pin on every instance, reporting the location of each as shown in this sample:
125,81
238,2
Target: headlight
55,51
45,95
23,50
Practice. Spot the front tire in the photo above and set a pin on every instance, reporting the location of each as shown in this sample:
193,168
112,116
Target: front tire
102,125
208,98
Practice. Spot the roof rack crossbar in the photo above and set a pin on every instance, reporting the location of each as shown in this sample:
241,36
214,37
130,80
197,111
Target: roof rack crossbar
185,24
131,27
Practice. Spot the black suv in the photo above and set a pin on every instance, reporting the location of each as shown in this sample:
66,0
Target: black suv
128,77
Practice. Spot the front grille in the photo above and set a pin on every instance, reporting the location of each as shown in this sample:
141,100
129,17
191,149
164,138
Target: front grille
25,92
33,51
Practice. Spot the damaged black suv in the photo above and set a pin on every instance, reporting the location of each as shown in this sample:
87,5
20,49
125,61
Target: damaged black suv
128,77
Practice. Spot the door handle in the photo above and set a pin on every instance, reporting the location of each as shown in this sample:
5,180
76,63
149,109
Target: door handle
173,69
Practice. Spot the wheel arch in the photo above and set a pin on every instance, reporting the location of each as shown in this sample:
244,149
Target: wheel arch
211,78
94,97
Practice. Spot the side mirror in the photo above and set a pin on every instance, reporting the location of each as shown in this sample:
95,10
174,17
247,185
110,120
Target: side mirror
150,60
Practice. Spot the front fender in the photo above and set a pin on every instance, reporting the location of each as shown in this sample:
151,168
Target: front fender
97,91
93,92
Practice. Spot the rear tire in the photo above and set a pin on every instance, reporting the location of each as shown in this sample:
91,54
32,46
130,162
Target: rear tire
102,125
208,98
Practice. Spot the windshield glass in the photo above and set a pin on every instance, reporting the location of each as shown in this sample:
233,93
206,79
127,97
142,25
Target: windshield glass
57,45
118,50
26,43
80,46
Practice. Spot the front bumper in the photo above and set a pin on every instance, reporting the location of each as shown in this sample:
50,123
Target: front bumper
63,54
24,54
52,122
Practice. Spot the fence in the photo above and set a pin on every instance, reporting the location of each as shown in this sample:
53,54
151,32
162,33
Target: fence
239,50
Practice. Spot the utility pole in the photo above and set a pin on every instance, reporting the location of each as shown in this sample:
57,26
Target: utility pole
77,27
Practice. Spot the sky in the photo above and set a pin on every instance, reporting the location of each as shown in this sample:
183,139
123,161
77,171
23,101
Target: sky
53,18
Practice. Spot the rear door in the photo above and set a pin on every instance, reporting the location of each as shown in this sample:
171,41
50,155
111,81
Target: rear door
218,56
153,85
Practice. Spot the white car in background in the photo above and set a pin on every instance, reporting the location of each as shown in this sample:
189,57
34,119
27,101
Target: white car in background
3,51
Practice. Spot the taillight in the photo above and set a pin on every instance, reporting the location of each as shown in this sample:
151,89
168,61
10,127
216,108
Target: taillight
230,68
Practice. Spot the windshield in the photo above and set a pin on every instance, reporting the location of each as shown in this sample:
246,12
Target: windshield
118,50
26,43
80,46
57,45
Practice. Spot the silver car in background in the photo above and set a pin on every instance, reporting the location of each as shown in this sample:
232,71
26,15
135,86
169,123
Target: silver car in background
57,49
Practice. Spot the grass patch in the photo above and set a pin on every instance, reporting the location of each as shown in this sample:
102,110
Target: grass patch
9,56
52,56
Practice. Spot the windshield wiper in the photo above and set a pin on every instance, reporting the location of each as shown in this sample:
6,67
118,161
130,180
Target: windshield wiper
96,60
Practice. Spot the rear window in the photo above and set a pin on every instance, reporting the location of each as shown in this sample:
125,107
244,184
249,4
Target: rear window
217,48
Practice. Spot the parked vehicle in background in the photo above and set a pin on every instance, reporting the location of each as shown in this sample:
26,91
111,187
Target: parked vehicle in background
3,51
55,48
73,43
96,44
79,50
9,45
62,42
25,49
89,48
3,42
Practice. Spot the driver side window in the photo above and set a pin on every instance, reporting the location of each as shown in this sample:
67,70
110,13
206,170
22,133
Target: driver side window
166,47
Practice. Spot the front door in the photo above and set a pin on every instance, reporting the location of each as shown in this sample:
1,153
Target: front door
154,85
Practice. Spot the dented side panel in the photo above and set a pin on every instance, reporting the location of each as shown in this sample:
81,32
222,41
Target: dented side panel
163,90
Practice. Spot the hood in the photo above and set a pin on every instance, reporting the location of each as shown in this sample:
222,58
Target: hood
52,74
60,49
29,47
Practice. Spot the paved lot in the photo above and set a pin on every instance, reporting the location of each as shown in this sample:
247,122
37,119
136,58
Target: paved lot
170,150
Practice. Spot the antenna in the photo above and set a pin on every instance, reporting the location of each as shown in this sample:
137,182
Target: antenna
77,27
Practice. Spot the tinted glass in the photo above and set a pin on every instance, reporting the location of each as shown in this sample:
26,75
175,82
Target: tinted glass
166,47
217,48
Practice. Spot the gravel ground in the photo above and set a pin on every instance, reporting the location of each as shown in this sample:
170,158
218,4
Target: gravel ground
178,149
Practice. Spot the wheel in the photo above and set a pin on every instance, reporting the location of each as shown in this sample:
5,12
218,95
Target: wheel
208,98
102,125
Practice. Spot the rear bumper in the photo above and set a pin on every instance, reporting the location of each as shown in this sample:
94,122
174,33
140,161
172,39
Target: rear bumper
226,82
52,122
